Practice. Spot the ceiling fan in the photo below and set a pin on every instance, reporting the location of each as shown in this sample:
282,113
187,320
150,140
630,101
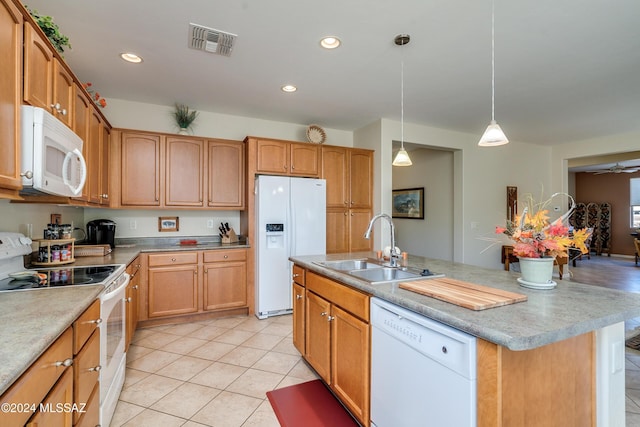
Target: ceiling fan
618,168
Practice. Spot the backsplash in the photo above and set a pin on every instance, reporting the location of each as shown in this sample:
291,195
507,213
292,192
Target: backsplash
15,217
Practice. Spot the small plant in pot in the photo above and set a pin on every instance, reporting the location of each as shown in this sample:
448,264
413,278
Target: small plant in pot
184,118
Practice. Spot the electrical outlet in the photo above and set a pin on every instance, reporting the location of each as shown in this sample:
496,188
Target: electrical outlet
133,224
209,223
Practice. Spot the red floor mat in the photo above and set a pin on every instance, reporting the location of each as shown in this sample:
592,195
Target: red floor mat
309,404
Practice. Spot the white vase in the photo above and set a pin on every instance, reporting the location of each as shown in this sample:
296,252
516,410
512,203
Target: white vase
536,273
183,131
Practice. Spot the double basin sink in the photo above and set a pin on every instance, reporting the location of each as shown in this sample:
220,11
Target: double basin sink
375,272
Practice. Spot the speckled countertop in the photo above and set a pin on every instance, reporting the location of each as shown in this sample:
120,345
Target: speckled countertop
32,320
547,316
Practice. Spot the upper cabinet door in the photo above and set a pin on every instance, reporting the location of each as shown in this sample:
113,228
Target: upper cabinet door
226,174
140,172
361,167
184,176
272,157
38,69
81,108
10,96
335,170
63,93
304,160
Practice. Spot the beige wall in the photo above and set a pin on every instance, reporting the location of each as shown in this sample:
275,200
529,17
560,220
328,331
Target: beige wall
611,188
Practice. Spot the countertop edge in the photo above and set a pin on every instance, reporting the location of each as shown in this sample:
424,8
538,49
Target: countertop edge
471,321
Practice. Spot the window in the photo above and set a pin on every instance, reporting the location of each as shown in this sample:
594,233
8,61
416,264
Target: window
634,197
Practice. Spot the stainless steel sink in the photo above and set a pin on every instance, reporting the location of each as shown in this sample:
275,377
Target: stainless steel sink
376,273
385,274
349,264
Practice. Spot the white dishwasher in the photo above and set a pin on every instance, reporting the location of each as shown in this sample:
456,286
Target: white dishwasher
423,373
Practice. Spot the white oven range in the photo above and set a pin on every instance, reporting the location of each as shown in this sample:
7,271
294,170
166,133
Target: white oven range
14,277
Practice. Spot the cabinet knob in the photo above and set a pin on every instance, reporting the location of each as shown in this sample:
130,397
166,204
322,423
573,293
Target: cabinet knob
226,256
173,260
324,313
66,362
135,286
128,299
296,275
27,174
292,167
95,369
330,318
195,272
285,167
96,321
298,296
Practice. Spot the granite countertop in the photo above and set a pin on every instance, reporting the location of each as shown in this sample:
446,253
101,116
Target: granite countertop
546,317
32,320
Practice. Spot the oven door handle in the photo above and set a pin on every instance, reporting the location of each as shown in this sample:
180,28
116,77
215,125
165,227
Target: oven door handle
114,293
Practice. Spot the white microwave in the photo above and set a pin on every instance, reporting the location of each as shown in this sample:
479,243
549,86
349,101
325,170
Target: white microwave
52,159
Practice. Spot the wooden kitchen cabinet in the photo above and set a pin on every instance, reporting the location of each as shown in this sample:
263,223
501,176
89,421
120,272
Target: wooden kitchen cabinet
299,303
185,169
11,22
349,176
178,171
225,279
38,381
86,361
81,108
105,158
173,284
98,161
338,337
225,173
140,169
278,157
47,82
133,300
60,394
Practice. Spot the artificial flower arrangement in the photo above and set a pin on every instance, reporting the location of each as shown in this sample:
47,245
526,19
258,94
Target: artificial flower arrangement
95,96
534,236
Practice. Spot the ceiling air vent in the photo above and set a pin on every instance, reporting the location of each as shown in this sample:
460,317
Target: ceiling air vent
211,40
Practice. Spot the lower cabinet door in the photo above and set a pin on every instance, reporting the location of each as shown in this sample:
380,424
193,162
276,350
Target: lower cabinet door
298,318
350,362
318,333
225,285
55,409
173,290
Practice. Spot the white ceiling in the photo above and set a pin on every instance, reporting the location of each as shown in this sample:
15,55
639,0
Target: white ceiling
565,70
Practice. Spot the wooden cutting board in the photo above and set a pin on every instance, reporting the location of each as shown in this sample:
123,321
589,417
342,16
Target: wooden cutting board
464,294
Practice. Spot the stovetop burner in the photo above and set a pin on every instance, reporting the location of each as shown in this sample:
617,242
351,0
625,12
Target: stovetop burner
51,278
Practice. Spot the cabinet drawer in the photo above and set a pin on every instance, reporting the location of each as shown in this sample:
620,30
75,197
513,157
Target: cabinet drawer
173,258
343,296
35,383
298,275
85,325
91,415
86,371
225,255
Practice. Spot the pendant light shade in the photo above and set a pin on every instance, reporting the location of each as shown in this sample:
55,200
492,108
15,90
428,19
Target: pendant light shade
493,136
402,158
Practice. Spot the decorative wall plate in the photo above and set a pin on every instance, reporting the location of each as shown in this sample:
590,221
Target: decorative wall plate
316,134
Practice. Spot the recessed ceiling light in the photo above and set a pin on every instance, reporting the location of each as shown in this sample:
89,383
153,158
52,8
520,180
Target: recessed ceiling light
131,57
289,88
330,42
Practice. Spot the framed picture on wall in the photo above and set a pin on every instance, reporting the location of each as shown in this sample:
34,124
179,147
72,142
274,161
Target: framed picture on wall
168,223
408,203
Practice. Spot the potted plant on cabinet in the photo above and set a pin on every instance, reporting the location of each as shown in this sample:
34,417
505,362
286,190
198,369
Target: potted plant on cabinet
184,118
51,30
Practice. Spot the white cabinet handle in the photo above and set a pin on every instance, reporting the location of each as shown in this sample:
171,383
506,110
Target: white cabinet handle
95,369
66,362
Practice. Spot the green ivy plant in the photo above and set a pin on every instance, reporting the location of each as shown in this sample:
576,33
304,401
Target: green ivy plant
51,30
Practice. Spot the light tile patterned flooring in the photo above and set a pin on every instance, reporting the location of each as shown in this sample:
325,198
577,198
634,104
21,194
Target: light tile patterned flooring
216,372
209,373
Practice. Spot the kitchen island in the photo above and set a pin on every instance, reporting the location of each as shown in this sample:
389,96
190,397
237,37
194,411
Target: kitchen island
568,337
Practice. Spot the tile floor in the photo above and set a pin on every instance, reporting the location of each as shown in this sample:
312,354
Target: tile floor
209,373
216,372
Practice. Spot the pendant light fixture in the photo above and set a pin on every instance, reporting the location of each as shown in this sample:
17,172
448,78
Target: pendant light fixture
402,158
494,135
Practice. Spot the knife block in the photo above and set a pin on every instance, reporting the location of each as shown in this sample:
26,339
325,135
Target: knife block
231,237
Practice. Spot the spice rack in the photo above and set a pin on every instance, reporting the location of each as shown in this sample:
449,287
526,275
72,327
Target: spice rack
45,255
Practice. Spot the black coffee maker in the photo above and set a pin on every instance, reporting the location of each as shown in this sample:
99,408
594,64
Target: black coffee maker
101,232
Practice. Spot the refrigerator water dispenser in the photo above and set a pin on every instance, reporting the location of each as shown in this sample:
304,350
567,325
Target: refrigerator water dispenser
275,236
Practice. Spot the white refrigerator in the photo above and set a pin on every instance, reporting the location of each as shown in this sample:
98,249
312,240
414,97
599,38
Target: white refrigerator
291,220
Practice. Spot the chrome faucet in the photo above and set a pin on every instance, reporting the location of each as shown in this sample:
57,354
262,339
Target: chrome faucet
393,255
